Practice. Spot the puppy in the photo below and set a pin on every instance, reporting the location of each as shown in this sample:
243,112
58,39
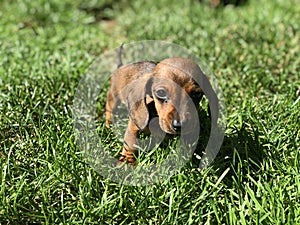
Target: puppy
166,90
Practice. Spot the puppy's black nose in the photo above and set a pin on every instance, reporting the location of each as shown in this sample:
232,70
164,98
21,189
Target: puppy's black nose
176,125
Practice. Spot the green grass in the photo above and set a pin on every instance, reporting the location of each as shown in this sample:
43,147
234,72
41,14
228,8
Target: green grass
45,48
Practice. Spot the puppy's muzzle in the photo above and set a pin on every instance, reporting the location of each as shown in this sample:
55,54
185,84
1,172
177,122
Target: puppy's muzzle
183,124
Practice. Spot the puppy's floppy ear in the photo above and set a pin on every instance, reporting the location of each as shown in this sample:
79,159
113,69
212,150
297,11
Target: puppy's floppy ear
136,100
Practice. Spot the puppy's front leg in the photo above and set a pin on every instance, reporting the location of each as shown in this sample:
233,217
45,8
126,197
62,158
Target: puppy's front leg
129,151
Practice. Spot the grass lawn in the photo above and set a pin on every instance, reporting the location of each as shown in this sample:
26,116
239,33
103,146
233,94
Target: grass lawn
253,50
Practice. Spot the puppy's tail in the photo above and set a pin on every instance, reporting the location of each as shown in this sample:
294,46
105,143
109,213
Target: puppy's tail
119,56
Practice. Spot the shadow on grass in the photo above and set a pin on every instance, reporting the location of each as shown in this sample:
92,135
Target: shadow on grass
242,152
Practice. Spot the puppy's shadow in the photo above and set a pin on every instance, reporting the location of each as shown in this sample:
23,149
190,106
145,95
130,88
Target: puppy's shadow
242,152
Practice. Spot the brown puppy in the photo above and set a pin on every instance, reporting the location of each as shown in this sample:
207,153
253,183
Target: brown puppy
169,90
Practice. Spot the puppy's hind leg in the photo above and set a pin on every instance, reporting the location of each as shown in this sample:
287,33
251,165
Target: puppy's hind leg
111,104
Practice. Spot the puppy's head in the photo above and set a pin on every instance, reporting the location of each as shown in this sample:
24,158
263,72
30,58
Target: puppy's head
176,86
177,94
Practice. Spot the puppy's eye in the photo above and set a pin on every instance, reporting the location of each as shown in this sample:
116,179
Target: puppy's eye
161,94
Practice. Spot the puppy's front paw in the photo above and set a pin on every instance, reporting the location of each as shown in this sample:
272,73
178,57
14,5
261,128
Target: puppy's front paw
127,159
108,123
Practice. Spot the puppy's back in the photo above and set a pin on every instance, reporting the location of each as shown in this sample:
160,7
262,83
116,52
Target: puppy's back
130,72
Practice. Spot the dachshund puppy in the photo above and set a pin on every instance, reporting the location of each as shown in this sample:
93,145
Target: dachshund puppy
166,90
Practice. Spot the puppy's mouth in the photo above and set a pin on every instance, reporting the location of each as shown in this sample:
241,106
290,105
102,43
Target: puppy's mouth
170,130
